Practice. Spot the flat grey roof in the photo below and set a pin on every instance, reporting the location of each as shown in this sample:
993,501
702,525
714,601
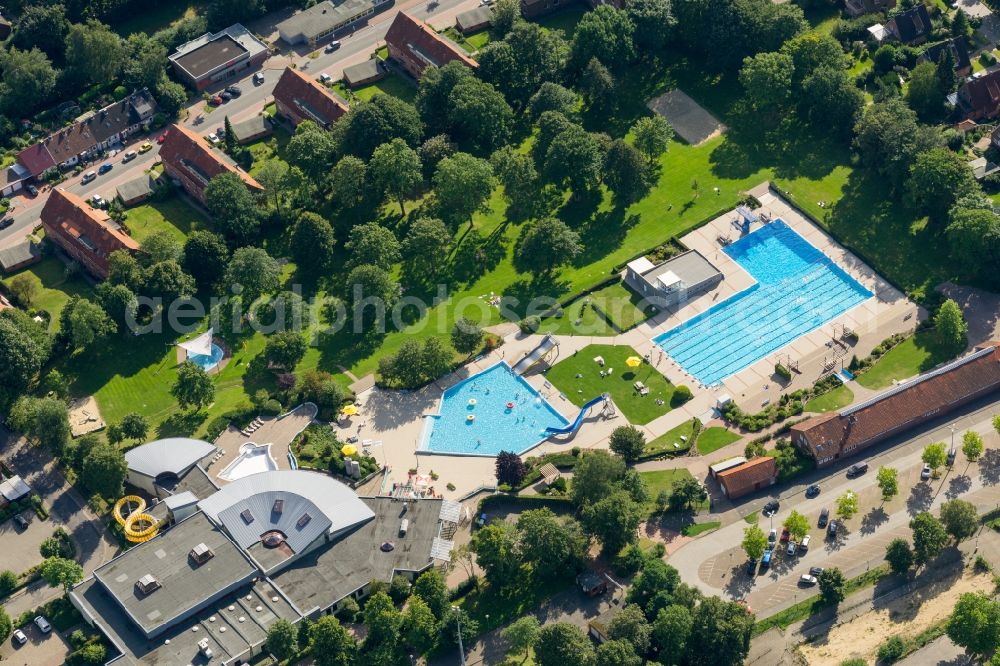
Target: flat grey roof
474,17
185,585
173,455
205,58
195,480
322,17
331,572
182,647
253,126
691,267
362,71
135,188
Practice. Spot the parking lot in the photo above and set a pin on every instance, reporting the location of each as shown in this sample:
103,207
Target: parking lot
20,549
41,648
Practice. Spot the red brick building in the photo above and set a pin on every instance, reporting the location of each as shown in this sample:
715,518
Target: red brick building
416,46
299,97
852,430
189,160
86,234
748,477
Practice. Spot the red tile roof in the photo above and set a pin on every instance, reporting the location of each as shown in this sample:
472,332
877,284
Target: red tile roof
748,477
303,98
931,395
415,37
982,93
86,234
182,148
36,159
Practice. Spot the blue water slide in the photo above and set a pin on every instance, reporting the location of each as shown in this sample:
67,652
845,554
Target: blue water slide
572,427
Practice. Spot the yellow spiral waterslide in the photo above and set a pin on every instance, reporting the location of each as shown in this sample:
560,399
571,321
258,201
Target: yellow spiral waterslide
138,526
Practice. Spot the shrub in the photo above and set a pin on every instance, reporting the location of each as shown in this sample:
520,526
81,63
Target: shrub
8,582
890,651
629,560
529,324
783,372
681,395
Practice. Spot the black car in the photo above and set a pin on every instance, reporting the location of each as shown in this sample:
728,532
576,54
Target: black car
771,508
226,95
21,521
812,491
831,531
6,222
824,516
856,469
235,91
32,190
816,571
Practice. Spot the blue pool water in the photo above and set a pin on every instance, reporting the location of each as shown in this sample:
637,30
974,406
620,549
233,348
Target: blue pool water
207,361
495,428
798,289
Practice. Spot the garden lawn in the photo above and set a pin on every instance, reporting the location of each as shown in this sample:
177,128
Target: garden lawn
620,384
272,147
831,400
663,479
713,439
696,529
664,444
621,306
492,610
54,287
393,84
172,216
564,20
578,318
911,357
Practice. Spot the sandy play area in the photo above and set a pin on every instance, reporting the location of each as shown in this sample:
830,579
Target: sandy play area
862,636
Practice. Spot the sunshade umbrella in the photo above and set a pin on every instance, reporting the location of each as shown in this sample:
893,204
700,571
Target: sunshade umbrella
633,361
349,449
350,410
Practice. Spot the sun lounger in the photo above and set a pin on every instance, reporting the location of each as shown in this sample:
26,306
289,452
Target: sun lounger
599,360
639,386
644,391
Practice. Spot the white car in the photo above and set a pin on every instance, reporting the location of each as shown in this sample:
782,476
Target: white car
43,624
773,536
806,579
332,46
925,473
89,176
791,548
130,155
325,78
19,637
98,201
804,546
213,138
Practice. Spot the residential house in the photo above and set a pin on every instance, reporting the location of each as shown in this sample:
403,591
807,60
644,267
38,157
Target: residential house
12,179
86,234
912,26
416,46
748,477
190,161
252,129
856,8
850,431
90,134
299,97
674,280
960,55
979,97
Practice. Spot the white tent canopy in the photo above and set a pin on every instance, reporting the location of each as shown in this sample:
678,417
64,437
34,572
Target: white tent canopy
200,346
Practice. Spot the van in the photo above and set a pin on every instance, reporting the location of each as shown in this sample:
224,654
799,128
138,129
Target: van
89,176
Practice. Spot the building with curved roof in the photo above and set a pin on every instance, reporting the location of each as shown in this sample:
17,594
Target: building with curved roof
164,461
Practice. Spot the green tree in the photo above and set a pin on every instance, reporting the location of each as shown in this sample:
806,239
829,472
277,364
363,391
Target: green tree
330,643
938,178
832,585
960,25
562,643
628,442
888,482
960,519
143,66
396,170
552,97
595,476
552,545
233,208
480,118
230,142
797,525
686,492
347,181
135,426
767,81
430,586
252,272
754,542
613,520
366,282
435,88
671,630
888,139
617,652
924,93
162,246
168,281
506,13
274,175
27,82
974,238
496,552
545,245
467,336
653,20
574,159
379,120
8,581
510,469
630,625
522,634
104,470
975,623
193,388
657,577
929,537
972,445
84,323
419,626
950,326
899,555
934,455
426,244
24,289
312,244
171,95
652,136
23,351
51,424
598,89
605,33
519,178
831,101
44,27
527,58
282,640
847,505
60,572
721,630
463,185
285,349
626,173
311,149
371,244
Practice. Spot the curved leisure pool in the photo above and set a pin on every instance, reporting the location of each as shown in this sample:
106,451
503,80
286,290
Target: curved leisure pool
798,289
494,426
207,361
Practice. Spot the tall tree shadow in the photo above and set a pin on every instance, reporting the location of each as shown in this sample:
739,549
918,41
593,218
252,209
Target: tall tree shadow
920,499
873,519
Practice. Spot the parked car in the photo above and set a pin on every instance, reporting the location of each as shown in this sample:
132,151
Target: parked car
104,168
816,571
773,536
98,201
785,535
147,146
765,561
162,137
807,580
235,91
751,567
790,551
129,156
258,78
856,469
812,491
89,176
332,46
19,638
32,190
6,222
21,521
824,516
831,531
43,624
771,508
925,472
951,457
804,546
212,138
325,78
226,95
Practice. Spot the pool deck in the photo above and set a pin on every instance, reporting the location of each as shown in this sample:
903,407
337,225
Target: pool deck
277,431
394,421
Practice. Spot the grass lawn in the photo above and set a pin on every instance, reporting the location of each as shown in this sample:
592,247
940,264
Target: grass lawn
621,305
713,439
665,442
637,409
751,518
492,610
663,479
579,318
393,84
696,529
272,147
172,216
564,20
470,43
54,288
911,357
156,16
831,400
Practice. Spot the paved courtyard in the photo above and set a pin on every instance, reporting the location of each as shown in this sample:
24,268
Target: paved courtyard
277,431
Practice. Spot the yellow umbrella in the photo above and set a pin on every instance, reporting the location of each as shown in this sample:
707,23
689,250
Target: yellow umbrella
349,449
350,410
633,361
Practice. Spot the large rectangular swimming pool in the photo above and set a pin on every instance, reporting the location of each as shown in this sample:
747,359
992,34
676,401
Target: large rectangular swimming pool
798,289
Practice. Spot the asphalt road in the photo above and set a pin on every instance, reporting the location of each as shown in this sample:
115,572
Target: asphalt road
715,562
356,47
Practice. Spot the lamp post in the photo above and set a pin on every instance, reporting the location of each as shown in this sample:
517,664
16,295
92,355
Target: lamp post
458,624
